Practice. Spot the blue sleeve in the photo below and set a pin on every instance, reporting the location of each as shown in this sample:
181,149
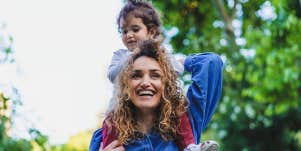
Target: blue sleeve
96,140
205,90
118,60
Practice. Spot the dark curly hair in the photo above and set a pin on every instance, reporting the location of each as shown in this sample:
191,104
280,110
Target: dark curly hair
144,10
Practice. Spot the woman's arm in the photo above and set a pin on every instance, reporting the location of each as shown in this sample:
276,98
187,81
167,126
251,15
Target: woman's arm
205,90
96,140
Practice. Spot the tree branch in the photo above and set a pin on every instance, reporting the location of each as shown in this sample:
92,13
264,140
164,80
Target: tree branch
227,20
233,11
228,24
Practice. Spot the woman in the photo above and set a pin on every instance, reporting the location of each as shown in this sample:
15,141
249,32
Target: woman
150,102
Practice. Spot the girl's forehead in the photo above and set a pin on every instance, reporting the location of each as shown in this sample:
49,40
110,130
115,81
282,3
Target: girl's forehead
129,20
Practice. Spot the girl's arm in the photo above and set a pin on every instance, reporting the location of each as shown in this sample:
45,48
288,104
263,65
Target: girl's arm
205,90
177,65
118,60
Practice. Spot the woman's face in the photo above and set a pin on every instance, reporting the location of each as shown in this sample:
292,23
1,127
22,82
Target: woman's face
145,83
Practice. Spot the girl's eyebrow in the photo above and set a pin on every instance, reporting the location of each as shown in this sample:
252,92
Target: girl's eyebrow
125,27
134,25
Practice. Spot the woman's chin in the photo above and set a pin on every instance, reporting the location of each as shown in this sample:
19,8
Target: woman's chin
144,102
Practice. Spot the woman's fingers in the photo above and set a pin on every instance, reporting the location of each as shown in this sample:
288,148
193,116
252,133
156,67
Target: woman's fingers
114,146
120,148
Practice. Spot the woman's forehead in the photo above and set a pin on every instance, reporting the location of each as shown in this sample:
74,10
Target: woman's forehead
146,63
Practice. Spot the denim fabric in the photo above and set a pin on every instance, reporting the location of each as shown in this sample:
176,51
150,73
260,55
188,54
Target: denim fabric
205,91
203,95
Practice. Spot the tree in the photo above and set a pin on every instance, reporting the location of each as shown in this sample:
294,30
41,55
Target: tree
258,41
9,102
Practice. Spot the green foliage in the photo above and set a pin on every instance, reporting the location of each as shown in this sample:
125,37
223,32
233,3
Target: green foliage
6,142
40,139
5,45
78,142
15,145
260,106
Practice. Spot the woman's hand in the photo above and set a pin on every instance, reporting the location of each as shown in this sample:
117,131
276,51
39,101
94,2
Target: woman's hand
114,146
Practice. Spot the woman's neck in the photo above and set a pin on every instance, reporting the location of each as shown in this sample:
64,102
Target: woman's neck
145,121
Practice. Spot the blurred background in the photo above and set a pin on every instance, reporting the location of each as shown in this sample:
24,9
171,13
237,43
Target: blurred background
54,57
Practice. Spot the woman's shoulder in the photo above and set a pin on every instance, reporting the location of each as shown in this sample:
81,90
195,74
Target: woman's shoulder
97,134
96,140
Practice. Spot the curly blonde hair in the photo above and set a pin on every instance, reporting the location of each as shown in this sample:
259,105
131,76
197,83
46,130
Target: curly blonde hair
172,103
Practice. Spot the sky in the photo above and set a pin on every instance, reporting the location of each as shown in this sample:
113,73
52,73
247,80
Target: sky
62,51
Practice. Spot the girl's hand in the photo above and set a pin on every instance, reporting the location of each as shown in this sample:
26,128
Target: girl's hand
181,60
135,51
114,146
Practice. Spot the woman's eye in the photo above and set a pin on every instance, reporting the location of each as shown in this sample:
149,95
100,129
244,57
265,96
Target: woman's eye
135,76
156,76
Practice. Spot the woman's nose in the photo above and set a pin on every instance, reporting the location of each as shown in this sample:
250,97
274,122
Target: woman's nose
145,83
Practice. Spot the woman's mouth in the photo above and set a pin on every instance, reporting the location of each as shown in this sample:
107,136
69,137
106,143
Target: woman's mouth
146,93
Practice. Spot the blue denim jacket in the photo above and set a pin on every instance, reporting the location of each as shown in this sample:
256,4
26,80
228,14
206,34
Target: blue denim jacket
203,95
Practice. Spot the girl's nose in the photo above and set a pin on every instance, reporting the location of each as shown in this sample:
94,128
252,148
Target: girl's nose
129,34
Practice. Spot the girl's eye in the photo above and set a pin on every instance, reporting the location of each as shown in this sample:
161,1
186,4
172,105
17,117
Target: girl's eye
124,32
136,29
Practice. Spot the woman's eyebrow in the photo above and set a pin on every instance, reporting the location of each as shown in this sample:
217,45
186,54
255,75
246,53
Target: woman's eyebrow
156,70
137,71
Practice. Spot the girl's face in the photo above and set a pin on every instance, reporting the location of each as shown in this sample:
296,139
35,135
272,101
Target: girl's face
132,31
145,83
